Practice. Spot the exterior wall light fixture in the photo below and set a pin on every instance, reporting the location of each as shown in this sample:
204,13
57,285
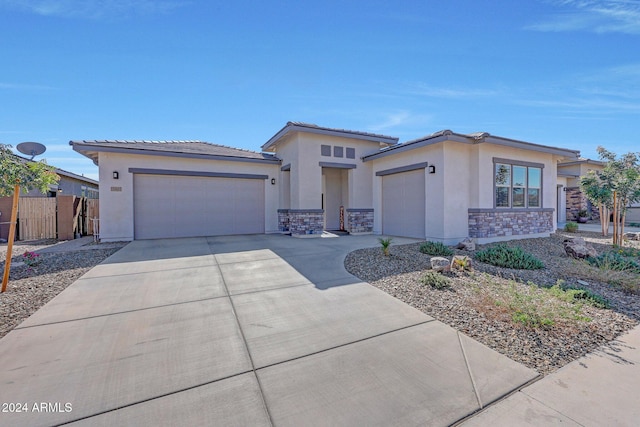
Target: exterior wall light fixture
432,169
116,175
273,181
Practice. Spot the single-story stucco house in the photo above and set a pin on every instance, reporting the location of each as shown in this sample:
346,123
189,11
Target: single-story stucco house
443,187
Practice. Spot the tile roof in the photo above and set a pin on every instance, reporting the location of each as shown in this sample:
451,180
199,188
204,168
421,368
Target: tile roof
183,147
312,128
471,138
355,132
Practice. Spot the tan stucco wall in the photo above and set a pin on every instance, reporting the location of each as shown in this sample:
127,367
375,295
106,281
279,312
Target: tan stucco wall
463,180
116,207
302,151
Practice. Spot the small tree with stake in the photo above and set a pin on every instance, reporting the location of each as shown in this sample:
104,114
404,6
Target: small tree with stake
614,189
17,173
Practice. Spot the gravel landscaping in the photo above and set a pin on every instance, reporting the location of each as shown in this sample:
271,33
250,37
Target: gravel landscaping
31,287
532,324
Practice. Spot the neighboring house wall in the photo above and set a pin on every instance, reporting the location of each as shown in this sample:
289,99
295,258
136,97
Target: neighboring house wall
67,186
117,201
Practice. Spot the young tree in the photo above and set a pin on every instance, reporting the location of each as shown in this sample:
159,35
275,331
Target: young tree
17,173
614,188
597,192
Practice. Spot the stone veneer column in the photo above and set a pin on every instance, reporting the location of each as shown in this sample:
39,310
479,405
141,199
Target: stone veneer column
306,222
576,201
485,223
283,220
359,221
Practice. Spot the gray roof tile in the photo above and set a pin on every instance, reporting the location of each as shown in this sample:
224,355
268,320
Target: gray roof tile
187,147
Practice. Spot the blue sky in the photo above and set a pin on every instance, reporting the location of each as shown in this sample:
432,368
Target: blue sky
557,72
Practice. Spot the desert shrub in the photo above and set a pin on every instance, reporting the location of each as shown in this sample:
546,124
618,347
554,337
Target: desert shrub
504,256
435,248
571,227
385,243
435,280
627,251
578,295
614,261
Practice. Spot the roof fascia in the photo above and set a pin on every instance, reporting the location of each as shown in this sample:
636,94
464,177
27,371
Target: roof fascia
582,162
565,152
290,128
80,147
401,148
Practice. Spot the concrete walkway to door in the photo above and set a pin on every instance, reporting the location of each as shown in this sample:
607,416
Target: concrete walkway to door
242,330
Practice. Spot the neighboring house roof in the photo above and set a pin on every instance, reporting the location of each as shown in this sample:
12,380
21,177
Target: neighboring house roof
291,127
77,177
581,161
472,138
191,149
64,172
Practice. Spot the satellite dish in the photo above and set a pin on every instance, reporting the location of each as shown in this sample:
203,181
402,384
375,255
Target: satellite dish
31,148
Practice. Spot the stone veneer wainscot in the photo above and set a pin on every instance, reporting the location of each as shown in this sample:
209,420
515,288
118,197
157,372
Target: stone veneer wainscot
359,221
485,223
301,222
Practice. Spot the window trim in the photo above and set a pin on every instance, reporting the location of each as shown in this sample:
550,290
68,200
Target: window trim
512,163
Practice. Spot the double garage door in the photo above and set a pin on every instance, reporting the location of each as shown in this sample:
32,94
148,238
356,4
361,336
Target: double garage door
190,206
403,204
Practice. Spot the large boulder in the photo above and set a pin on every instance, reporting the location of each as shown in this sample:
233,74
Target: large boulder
440,264
576,247
467,245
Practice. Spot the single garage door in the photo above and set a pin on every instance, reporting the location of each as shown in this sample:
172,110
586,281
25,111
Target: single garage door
190,206
403,204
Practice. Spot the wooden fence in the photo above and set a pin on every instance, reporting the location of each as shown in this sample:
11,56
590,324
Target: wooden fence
37,218
93,209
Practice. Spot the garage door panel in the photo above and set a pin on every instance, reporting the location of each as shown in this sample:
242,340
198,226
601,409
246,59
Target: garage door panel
187,206
403,204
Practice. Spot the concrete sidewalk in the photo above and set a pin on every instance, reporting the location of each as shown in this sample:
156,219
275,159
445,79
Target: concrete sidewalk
600,389
242,330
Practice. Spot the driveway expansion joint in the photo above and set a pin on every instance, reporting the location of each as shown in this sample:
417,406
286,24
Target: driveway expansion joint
246,347
119,312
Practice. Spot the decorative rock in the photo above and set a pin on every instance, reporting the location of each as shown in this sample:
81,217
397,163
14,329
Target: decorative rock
582,283
577,248
461,262
467,245
440,264
632,236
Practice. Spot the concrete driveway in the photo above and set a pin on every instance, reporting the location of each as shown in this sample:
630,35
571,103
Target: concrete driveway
246,331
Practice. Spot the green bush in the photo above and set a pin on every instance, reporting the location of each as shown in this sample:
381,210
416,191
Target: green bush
435,280
385,243
504,256
614,261
571,227
574,294
435,249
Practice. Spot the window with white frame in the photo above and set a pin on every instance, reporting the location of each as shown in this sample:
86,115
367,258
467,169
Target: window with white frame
517,185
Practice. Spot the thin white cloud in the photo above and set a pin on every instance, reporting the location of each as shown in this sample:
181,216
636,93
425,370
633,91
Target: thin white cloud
599,16
401,119
93,9
451,93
